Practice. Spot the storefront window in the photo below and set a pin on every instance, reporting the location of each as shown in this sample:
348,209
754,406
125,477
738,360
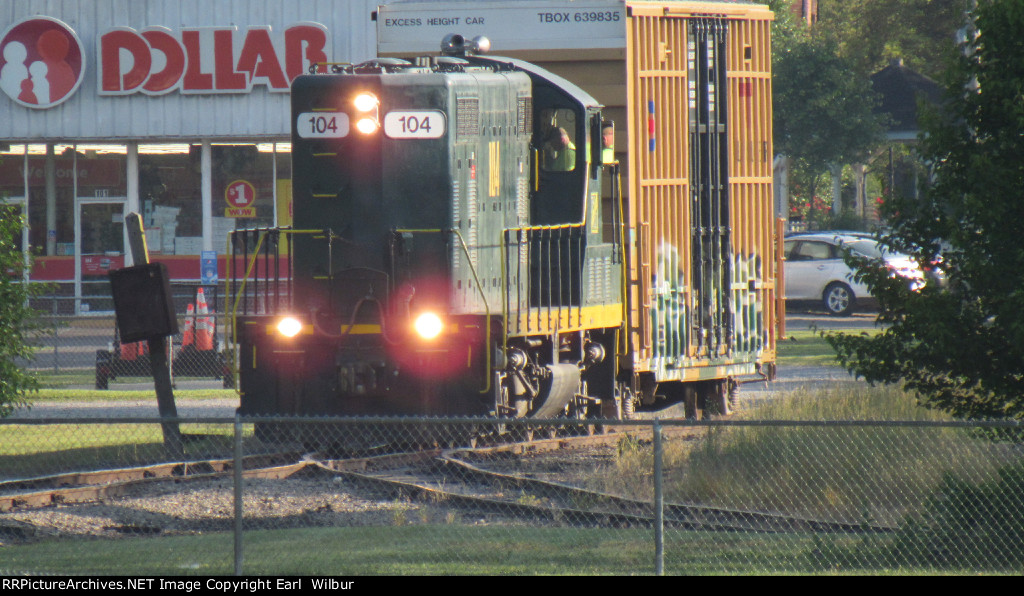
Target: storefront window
244,185
76,197
171,198
51,192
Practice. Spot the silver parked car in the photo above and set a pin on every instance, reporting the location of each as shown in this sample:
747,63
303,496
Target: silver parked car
815,270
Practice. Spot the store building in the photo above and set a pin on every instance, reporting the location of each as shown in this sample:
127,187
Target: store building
178,111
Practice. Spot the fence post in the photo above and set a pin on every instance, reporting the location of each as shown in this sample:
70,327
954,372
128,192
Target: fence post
56,345
659,504
55,310
238,494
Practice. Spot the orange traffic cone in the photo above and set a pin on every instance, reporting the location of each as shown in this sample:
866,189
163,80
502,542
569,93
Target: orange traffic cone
204,324
129,351
134,350
188,335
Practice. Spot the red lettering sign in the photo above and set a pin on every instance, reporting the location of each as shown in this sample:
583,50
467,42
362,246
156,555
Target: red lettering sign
204,59
304,45
195,79
259,58
161,40
112,44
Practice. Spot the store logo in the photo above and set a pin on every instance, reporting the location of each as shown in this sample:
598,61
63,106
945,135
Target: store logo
193,60
41,62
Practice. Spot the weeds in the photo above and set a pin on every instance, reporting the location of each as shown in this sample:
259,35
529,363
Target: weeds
841,472
529,500
965,523
399,512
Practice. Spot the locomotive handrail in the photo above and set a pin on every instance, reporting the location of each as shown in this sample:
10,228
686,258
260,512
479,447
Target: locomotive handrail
252,261
545,227
616,172
528,230
532,232
476,280
262,234
314,68
241,290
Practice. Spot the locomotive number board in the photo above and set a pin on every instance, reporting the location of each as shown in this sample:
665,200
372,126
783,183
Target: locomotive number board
412,124
322,125
418,124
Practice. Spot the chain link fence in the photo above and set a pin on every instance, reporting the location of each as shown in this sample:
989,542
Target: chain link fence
278,496
84,350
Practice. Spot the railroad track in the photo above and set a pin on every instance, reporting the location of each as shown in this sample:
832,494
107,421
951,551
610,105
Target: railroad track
463,479
446,477
85,487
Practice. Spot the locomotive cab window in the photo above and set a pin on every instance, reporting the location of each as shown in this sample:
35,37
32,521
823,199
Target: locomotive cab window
558,140
560,150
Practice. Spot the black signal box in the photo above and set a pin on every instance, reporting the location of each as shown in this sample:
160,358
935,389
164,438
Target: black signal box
143,303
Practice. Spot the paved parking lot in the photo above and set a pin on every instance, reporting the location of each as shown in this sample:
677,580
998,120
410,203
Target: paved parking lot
801,319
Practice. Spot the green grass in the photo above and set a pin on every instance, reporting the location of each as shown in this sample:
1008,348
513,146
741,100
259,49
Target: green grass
33,450
806,347
463,550
65,378
28,450
57,395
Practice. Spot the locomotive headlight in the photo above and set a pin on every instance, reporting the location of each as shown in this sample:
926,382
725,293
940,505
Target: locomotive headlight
289,326
367,125
428,325
368,121
364,102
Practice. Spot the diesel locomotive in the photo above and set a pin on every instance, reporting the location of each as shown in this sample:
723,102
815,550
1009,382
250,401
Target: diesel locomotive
460,247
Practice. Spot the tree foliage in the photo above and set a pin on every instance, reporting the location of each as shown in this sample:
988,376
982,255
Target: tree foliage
962,348
823,110
16,318
870,33
823,98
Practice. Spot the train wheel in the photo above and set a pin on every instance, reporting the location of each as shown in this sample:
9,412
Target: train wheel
690,400
716,398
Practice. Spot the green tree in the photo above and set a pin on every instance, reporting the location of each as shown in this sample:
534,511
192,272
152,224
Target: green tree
16,318
823,110
870,33
961,349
